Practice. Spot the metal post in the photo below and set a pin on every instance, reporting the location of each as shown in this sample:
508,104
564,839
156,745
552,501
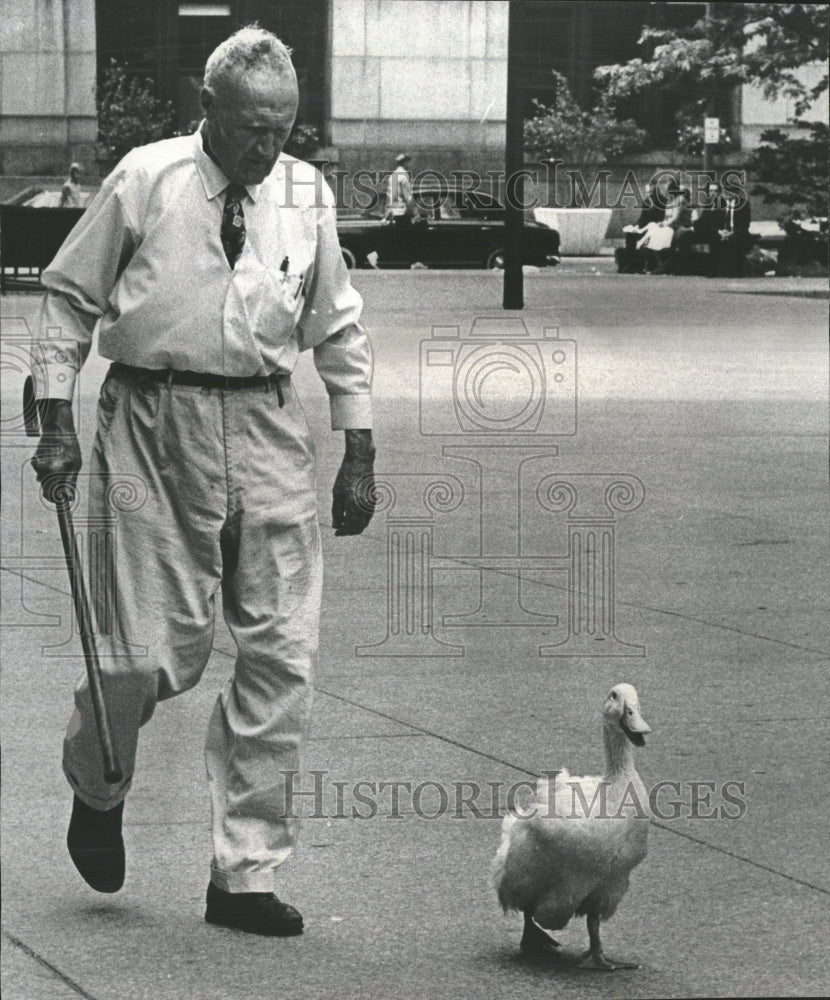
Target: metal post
708,149
513,165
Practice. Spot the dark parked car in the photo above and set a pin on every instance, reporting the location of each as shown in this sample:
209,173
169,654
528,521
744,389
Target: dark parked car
32,229
29,239
459,228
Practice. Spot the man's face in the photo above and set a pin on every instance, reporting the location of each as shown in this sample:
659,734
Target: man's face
249,119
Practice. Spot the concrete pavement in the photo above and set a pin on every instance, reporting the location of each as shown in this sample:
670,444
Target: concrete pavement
711,398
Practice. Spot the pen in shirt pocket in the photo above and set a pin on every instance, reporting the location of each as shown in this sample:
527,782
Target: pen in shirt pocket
288,280
300,286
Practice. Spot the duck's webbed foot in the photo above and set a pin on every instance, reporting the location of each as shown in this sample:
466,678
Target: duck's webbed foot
536,941
594,958
598,962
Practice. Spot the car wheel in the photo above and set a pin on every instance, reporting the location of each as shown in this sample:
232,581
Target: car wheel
348,258
495,260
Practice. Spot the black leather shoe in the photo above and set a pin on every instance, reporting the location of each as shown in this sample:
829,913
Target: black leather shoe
254,912
96,846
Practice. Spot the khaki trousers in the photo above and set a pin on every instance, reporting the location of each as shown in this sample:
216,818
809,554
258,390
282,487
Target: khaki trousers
230,509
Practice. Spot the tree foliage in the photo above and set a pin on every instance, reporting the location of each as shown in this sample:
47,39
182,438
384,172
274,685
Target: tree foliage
129,113
792,170
759,43
304,141
689,123
565,132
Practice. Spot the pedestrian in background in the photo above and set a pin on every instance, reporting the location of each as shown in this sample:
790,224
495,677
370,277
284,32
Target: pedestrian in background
209,262
404,242
400,203
71,196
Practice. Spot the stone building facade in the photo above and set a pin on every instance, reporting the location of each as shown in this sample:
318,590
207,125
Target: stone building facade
376,76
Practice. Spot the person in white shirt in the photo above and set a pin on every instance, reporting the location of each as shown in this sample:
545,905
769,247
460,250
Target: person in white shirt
208,262
402,241
400,203
71,196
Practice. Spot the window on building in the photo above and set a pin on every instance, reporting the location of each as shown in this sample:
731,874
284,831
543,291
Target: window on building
127,32
201,27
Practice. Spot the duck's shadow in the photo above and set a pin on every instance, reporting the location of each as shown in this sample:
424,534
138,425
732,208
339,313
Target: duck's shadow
563,965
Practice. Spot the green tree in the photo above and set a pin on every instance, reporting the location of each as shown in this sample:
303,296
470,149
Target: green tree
792,170
303,142
129,113
689,129
759,43
562,130
764,44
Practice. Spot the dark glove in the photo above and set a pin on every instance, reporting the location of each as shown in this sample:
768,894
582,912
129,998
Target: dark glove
57,460
353,494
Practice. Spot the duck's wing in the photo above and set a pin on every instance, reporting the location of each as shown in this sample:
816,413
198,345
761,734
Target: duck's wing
515,873
568,847
579,825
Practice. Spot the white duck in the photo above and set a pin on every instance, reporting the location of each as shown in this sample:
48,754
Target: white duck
573,853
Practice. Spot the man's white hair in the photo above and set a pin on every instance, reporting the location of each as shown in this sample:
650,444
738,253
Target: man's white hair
248,49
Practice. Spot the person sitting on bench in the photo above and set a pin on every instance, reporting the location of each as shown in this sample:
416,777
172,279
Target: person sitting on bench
662,249
724,226
630,259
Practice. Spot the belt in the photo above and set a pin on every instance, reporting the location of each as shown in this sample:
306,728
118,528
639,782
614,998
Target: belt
203,380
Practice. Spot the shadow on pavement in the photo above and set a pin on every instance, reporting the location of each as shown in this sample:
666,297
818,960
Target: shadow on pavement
794,293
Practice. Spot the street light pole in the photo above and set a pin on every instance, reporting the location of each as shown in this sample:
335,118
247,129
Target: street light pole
708,148
513,297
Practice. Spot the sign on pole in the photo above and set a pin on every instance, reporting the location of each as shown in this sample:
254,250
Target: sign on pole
711,131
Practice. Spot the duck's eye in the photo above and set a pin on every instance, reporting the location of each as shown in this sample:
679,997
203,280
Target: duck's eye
614,695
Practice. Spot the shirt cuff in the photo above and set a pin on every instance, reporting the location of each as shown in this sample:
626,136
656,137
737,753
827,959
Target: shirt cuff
54,370
351,412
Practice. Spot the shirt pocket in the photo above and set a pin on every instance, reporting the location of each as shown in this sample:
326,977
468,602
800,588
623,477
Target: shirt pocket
284,276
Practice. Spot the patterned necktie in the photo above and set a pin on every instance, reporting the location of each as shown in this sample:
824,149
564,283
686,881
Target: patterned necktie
233,223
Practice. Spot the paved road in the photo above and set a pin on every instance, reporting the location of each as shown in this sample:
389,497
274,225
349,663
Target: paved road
695,451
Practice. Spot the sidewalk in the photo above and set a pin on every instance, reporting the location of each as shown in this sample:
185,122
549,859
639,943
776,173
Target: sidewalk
717,404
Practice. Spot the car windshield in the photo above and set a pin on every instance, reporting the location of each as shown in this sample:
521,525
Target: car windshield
456,203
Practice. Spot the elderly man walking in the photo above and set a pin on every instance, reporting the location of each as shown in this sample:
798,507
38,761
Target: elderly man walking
210,261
